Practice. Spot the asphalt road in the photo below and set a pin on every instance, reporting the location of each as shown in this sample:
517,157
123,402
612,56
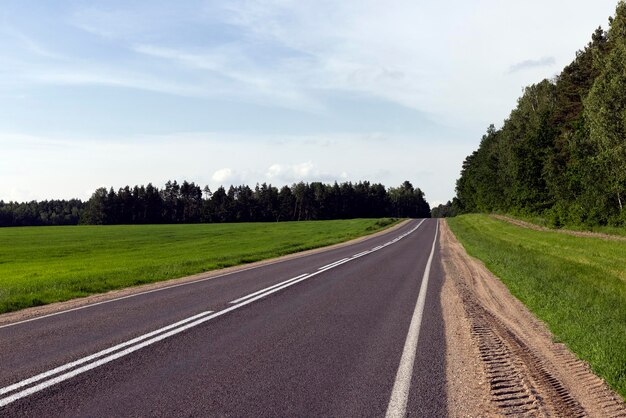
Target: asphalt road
331,342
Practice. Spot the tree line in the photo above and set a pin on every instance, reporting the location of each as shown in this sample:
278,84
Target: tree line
444,210
47,212
561,153
189,203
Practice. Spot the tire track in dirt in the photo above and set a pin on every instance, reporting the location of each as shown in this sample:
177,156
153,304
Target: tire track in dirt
517,376
527,373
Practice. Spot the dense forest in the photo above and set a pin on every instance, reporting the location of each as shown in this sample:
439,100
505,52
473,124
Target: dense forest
189,203
561,154
444,210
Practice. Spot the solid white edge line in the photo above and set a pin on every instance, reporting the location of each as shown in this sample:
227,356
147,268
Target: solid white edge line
324,268
101,353
266,289
90,305
58,379
400,392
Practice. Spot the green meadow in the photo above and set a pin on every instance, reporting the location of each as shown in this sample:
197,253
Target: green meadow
40,265
577,285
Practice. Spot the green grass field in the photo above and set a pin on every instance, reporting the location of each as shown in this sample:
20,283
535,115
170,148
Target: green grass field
40,265
576,285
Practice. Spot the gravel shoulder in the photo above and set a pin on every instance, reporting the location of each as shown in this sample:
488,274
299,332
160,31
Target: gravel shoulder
501,360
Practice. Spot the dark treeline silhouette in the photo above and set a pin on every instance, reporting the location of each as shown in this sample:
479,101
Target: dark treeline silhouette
561,154
444,211
47,212
189,203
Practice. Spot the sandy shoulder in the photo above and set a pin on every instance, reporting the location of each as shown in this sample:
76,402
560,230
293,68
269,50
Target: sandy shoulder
501,360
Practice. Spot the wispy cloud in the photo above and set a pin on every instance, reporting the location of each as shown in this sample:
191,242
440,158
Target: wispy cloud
293,55
113,78
27,43
128,22
232,70
529,64
426,76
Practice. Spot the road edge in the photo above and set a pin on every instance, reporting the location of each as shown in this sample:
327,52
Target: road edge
98,298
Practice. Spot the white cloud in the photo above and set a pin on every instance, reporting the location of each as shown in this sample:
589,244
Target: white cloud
96,77
306,171
222,176
274,171
528,64
228,70
219,159
303,169
448,58
290,59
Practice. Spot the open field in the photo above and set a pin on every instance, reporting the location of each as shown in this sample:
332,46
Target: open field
40,265
577,285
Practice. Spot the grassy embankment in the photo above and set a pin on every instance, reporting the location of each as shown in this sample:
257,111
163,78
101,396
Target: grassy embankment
40,265
547,223
577,285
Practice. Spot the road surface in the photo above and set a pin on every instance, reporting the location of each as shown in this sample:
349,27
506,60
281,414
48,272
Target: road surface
352,331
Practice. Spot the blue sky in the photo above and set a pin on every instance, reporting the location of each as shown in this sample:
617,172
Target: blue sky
130,92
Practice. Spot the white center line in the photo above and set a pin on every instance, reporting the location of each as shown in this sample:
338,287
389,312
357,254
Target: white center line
83,360
337,264
58,379
327,266
96,360
90,305
402,385
267,288
332,264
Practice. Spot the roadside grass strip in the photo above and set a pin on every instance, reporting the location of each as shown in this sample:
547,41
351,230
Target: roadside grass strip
577,285
85,364
41,265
